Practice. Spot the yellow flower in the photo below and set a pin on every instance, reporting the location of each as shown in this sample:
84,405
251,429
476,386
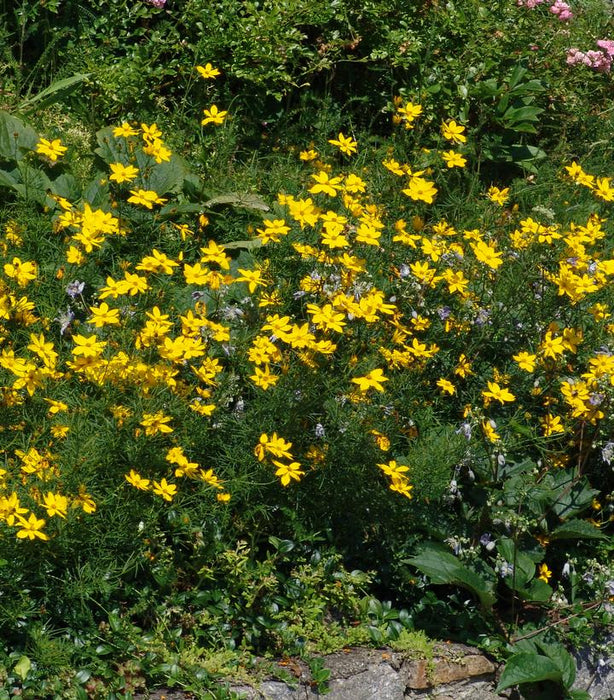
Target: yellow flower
446,386
164,489
453,132
87,346
552,425
544,573
263,377
213,115
122,173
525,361
208,72
22,272
55,504
324,184
103,315
394,470
31,528
373,380
381,440
498,196
345,144
146,198
137,480
308,155
498,393
274,445
59,431
421,190
52,149
85,500
454,159
252,277
487,254
155,423
287,472
490,432
124,131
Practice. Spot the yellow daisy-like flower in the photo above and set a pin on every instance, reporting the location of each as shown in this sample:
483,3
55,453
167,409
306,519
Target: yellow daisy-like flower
453,132
122,173
208,72
213,115
52,149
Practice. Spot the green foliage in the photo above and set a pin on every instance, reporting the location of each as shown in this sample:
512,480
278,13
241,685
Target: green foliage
448,497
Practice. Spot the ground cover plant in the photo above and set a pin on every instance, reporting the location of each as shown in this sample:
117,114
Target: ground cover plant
275,392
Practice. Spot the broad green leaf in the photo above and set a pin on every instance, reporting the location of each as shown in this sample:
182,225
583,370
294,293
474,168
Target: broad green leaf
96,193
516,75
34,183
54,93
171,210
444,568
162,177
16,137
576,530
563,660
248,245
528,668
537,591
516,115
22,667
66,186
8,180
524,568
573,499
247,201
110,149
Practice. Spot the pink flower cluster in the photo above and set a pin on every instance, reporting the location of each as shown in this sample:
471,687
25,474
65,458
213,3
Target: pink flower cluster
600,61
157,3
562,10
558,7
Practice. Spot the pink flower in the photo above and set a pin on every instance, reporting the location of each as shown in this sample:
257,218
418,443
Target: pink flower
575,56
607,45
562,10
599,61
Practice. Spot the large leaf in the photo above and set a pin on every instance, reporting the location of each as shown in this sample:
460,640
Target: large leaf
8,180
162,177
66,186
576,530
54,93
524,568
170,211
562,659
573,498
34,183
247,245
537,591
444,568
246,200
16,138
528,668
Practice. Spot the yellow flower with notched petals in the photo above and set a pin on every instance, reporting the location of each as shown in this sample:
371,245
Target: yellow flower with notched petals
453,132
208,72
213,115
372,380
345,144
52,149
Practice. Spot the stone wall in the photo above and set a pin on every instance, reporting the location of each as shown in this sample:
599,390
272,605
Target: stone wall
456,672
